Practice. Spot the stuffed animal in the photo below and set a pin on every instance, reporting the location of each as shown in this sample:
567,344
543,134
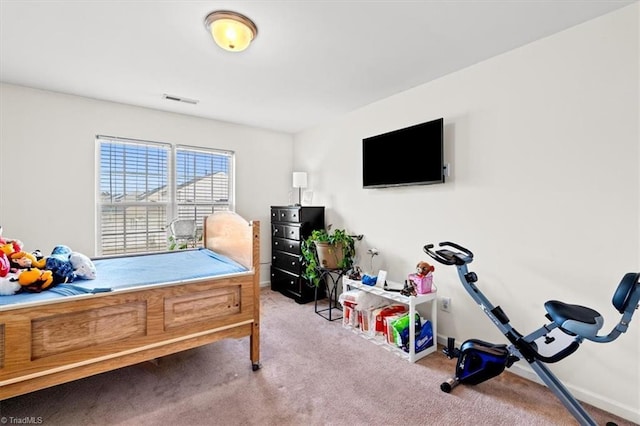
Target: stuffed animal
83,267
24,260
60,265
11,246
37,254
5,265
422,280
7,248
9,286
34,280
17,244
423,268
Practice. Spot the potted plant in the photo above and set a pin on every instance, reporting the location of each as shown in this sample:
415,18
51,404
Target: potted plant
326,249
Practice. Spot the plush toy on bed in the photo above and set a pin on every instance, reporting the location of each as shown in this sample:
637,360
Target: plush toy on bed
10,246
60,265
24,260
83,267
8,249
5,266
35,280
9,286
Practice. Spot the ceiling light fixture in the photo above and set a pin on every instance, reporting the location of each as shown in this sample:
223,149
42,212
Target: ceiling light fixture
230,30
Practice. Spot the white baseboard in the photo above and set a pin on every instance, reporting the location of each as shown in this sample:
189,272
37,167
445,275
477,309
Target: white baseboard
599,401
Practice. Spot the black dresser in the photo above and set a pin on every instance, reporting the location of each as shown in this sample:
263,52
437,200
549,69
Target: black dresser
290,225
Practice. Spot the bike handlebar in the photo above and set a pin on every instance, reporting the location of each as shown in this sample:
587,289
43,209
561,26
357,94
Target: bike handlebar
448,257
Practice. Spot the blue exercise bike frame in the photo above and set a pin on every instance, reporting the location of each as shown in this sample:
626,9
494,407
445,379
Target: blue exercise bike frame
576,321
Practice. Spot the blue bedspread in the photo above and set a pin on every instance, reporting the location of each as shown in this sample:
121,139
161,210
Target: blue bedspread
132,271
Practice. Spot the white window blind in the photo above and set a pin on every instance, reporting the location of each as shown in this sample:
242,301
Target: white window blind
145,185
203,182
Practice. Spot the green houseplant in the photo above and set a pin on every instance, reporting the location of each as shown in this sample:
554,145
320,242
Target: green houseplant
326,249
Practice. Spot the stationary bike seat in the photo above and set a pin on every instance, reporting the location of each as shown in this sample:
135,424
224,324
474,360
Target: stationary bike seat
574,319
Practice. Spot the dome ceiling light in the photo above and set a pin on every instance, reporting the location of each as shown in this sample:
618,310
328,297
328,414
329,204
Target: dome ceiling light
230,30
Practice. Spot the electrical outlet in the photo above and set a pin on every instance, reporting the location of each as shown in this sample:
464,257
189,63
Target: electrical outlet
445,304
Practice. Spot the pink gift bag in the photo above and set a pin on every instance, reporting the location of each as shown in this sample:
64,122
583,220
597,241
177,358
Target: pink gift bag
423,283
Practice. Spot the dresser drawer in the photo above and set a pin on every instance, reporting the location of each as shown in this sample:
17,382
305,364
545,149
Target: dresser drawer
290,246
286,215
277,230
282,280
291,232
287,261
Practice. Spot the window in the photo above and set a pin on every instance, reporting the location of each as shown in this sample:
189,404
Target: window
202,182
144,185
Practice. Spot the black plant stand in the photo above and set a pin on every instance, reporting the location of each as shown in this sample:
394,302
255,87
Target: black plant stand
331,278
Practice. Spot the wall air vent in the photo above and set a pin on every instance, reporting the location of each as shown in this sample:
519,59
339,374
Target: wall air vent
180,99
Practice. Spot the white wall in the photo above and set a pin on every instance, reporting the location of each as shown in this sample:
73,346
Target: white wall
543,141
47,163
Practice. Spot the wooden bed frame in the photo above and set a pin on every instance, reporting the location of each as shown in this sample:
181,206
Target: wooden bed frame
78,336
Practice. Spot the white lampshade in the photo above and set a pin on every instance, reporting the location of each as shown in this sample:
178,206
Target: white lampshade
299,179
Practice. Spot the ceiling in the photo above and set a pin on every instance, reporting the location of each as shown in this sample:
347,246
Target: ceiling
311,61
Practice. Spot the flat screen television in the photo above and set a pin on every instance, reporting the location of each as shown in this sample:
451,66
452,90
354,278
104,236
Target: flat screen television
410,156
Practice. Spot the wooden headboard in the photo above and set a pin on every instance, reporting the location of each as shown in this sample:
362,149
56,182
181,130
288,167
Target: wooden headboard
231,235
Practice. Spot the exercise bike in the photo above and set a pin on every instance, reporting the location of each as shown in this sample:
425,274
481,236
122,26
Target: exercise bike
479,361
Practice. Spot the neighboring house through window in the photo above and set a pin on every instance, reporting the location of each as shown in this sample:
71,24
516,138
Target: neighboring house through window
144,185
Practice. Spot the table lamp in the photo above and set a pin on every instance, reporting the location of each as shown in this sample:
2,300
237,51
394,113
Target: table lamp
299,181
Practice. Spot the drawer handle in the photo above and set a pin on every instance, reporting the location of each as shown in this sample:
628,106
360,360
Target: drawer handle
275,231
290,246
275,243
274,258
293,263
291,282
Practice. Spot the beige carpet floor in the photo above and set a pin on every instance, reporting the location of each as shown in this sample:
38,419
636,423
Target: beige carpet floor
314,372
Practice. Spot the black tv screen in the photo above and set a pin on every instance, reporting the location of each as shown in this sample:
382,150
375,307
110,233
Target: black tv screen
410,156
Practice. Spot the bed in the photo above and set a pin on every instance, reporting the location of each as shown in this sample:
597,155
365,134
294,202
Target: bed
115,322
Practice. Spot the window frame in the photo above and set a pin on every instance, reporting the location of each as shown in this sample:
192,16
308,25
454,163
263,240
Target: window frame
171,203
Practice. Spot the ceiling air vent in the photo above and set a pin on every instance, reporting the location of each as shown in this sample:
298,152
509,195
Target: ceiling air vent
180,99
